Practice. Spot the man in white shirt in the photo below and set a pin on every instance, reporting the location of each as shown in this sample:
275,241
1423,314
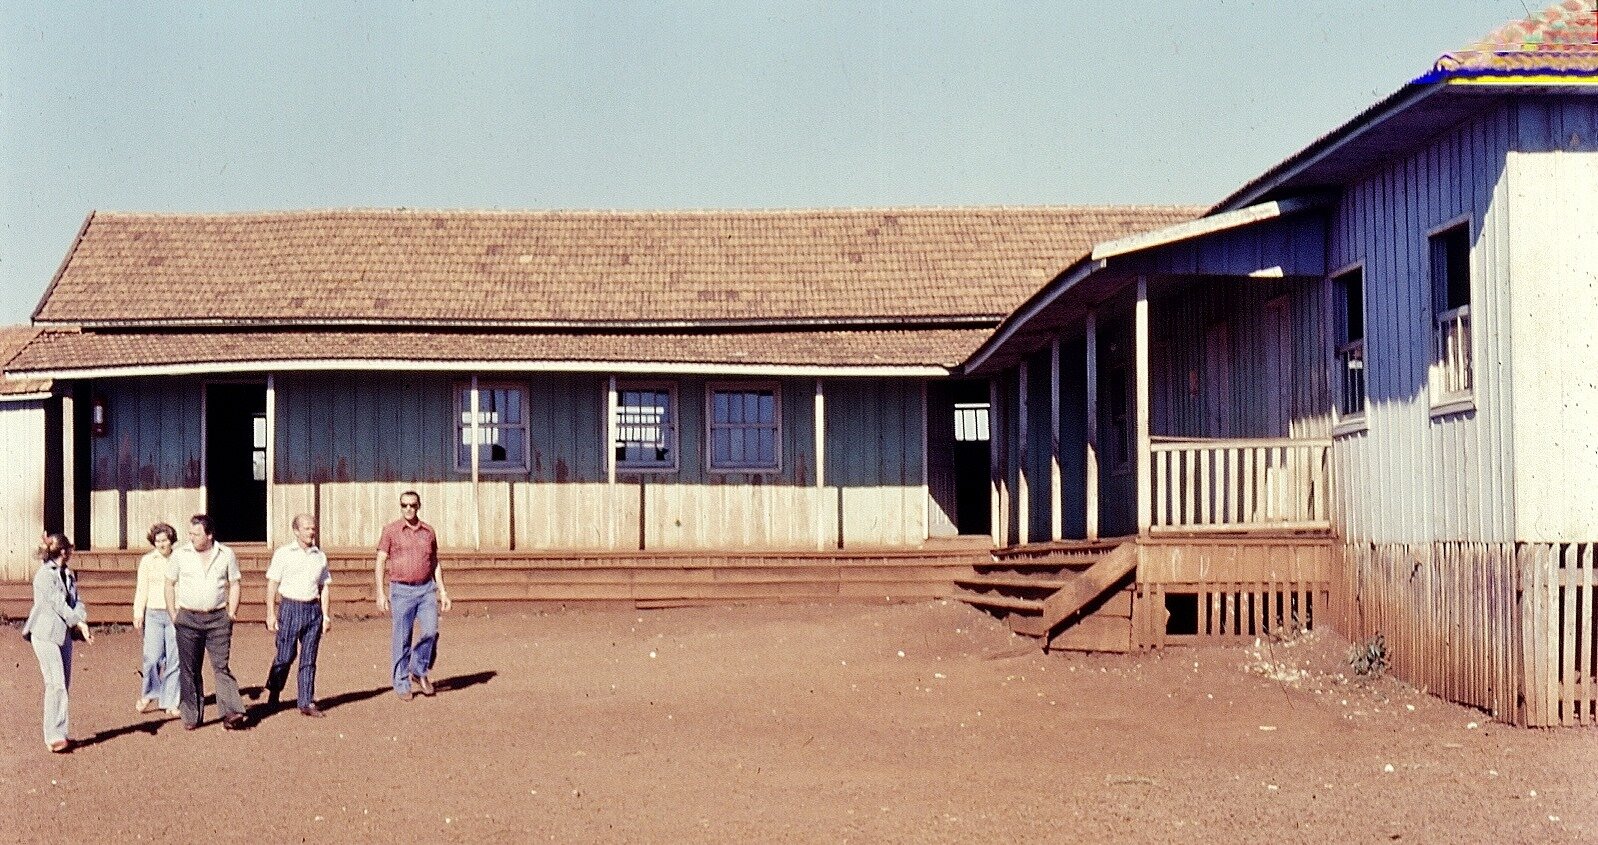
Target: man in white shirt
202,597
299,575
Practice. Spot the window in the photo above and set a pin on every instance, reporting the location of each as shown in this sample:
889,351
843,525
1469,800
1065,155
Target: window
744,428
1349,299
970,422
646,427
1451,378
501,428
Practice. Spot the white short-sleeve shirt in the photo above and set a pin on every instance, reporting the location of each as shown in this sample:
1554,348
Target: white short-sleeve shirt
202,578
300,572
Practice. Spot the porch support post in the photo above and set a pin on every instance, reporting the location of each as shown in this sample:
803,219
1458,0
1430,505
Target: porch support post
1056,506
477,440
610,460
822,510
1023,497
995,482
271,454
1145,473
1090,496
69,453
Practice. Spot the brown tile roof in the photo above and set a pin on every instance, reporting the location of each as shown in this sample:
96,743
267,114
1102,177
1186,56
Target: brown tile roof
12,340
1561,39
574,267
67,349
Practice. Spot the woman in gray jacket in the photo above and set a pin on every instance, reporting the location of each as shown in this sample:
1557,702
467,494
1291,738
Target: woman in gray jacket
56,611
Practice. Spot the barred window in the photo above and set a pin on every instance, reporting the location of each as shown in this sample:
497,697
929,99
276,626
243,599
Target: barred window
744,427
646,426
501,428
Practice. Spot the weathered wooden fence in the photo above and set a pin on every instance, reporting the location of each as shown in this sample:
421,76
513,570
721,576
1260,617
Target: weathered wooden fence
1215,591
1500,626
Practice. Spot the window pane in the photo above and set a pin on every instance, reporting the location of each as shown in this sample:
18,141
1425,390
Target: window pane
720,451
718,410
768,406
768,447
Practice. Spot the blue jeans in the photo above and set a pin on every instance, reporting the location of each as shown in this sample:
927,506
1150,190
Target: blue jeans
160,659
413,604
55,664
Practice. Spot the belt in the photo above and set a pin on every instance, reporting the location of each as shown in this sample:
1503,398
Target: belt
413,583
212,610
300,601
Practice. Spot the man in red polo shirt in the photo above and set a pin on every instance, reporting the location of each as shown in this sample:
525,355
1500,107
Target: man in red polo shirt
414,586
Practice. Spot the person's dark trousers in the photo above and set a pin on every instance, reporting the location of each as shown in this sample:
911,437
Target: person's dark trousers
208,633
299,627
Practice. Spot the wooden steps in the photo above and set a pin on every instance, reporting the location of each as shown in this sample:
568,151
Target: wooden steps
1072,595
588,579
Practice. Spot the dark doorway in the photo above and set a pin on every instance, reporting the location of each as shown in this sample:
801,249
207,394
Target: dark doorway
235,461
957,453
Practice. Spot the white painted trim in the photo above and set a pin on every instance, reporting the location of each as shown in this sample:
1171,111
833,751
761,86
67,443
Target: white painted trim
271,453
25,397
477,442
369,365
1091,435
1145,468
1206,226
821,466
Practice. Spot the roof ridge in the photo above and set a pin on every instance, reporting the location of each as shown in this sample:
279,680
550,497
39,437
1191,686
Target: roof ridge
377,211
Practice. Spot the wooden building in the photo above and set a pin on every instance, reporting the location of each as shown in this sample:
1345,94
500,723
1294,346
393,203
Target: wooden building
635,383
29,413
1360,390
1376,348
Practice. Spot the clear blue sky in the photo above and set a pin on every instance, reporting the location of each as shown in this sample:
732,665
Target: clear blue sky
168,106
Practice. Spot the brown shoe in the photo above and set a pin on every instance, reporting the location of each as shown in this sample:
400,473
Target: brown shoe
312,710
60,746
424,684
406,695
188,726
234,722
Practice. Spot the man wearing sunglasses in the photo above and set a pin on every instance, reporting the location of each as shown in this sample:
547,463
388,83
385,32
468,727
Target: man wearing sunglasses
410,580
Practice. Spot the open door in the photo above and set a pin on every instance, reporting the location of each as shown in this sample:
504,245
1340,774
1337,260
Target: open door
957,457
235,461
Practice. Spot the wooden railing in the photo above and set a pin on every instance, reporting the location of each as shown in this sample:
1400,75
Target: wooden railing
1451,356
1240,484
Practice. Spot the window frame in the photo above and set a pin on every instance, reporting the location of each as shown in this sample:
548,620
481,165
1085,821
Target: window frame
463,409
710,426
1444,400
673,436
1344,346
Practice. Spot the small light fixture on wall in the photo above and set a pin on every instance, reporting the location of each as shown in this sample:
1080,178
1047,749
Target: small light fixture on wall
97,416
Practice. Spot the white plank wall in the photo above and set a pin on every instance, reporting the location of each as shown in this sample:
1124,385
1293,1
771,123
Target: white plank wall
1553,257
22,485
1407,477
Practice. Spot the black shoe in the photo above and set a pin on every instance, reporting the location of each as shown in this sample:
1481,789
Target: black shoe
312,710
272,697
234,722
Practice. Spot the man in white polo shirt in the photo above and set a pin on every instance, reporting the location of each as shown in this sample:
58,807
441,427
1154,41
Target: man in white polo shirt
202,597
299,574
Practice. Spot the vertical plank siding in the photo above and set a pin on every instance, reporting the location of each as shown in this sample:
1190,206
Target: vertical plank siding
147,466
22,486
1412,477
346,444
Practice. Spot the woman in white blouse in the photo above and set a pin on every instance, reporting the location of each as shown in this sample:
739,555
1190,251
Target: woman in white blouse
160,635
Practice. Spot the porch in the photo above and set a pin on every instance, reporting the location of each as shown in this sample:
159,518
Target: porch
498,580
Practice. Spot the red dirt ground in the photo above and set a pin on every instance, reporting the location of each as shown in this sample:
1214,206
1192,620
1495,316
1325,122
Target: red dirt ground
925,723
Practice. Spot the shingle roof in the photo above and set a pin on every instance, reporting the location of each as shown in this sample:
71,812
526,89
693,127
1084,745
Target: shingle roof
574,267
12,341
68,349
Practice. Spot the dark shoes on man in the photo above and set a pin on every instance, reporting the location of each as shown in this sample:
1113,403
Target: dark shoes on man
312,710
235,722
